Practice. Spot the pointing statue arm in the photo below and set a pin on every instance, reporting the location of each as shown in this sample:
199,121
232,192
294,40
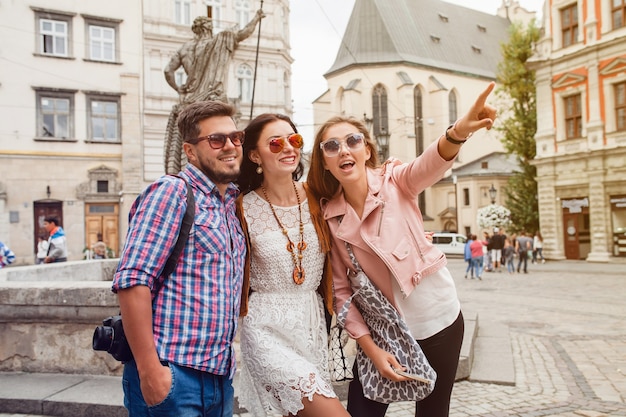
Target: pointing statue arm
247,31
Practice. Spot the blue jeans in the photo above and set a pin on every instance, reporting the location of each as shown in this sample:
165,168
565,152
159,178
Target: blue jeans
478,266
193,394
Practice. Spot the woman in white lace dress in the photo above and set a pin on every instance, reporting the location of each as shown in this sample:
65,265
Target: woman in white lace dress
283,332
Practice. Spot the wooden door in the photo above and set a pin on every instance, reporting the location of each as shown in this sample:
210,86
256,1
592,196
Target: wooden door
571,235
101,222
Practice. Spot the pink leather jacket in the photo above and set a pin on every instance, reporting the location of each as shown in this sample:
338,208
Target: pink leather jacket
389,237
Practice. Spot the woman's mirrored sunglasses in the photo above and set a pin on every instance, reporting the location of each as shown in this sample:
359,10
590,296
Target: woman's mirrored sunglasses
218,140
277,144
331,147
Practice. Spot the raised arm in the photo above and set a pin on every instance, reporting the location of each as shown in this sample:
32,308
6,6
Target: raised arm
249,28
479,115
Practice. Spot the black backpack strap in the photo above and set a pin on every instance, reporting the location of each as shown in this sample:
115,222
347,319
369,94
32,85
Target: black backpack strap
183,236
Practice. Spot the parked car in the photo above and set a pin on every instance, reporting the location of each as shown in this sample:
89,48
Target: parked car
450,243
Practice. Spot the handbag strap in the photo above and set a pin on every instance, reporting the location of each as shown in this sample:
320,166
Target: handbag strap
343,311
183,236
355,262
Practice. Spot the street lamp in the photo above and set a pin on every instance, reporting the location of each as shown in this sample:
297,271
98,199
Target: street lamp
492,194
382,138
368,122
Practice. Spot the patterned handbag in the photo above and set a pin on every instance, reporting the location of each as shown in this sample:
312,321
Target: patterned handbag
390,332
340,357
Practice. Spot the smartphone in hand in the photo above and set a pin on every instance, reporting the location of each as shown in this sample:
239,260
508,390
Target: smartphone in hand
412,376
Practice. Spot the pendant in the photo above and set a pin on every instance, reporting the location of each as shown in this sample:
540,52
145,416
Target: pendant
298,275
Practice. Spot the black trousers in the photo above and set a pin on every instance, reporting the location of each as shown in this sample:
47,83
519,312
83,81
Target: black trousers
442,351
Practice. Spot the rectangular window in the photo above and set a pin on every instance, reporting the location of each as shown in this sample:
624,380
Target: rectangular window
101,43
55,114
102,186
242,10
214,12
573,117
620,106
182,12
466,197
53,37
569,25
103,119
618,13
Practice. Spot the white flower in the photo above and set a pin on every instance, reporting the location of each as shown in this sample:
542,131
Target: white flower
494,216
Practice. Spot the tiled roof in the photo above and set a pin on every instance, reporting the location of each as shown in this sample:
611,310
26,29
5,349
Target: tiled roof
429,33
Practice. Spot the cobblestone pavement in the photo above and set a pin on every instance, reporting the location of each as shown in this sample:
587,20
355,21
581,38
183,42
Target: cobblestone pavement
567,323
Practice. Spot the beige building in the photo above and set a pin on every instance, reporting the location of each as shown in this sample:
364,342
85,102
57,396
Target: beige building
410,69
85,105
580,64
71,114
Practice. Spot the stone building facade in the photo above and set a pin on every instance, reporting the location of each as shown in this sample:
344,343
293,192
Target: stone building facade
580,65
85,105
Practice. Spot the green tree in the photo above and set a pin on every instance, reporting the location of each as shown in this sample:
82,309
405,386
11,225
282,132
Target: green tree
517,84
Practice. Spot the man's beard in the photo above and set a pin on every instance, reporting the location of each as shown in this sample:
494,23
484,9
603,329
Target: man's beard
219,177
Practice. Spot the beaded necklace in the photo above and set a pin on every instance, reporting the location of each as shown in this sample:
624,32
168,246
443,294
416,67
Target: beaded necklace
298,270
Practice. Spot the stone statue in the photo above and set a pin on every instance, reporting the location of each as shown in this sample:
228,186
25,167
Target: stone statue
205,60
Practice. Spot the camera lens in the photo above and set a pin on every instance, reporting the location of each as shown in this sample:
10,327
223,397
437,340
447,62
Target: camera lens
102,338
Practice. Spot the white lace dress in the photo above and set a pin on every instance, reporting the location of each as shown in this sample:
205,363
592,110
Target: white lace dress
283,337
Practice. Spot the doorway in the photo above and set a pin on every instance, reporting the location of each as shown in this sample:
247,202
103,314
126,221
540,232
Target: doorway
101,222
577,237
41,210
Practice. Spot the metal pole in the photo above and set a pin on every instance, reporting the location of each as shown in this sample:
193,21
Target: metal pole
256,63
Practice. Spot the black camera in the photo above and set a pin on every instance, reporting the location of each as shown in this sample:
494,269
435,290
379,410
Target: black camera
110,338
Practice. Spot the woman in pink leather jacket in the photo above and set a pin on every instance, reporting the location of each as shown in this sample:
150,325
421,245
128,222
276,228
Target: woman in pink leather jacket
374,208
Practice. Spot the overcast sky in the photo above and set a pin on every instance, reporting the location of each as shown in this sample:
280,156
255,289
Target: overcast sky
317,27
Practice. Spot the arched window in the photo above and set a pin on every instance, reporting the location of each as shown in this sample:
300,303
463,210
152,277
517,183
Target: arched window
381,118
244,83
452,107
379,109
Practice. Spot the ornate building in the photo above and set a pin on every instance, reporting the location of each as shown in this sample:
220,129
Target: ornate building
580,64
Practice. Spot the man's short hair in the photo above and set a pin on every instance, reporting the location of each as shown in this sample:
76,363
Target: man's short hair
193,114
51,219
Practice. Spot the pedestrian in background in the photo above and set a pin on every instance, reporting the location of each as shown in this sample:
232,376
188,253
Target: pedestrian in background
467,254
509,255
182,337
478,255
284,367
57,243
538,247
7,256
524,247
362,202
488,261
497,244
42,249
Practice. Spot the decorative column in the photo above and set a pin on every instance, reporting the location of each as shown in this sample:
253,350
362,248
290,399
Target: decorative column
598,209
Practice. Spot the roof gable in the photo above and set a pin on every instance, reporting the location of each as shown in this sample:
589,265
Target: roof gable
422,32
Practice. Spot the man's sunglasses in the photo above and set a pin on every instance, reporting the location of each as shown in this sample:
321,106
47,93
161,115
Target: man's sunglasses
218,140
353,142
278,144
